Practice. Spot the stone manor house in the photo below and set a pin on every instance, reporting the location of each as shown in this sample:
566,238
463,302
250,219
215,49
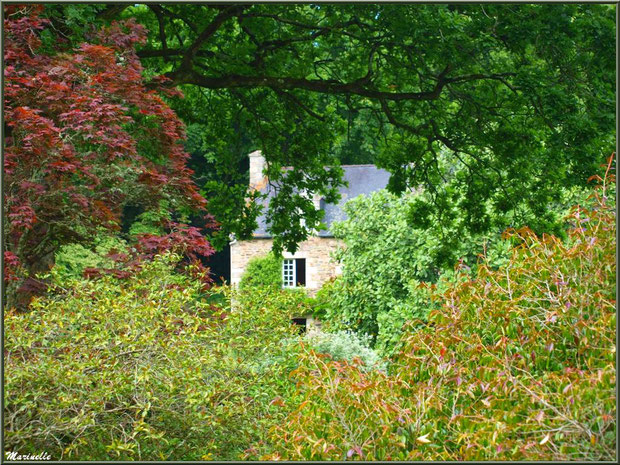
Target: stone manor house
311,265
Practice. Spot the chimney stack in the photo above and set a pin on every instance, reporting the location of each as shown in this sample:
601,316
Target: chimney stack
257,165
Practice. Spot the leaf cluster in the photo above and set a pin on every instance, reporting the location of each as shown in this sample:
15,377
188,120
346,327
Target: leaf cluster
263,272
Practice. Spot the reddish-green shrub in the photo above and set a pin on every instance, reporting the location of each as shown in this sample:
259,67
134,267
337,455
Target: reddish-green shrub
147,368
518,363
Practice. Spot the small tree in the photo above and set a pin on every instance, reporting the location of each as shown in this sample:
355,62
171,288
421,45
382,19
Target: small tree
85,136
390,261
387,265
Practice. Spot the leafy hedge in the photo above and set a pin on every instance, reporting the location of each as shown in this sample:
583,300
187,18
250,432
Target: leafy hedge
519,363
146,369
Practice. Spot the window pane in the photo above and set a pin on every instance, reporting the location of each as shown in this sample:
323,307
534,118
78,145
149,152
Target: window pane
288,273
300,270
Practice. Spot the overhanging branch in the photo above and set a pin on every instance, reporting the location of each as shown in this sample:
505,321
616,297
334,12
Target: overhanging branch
208,32
359,87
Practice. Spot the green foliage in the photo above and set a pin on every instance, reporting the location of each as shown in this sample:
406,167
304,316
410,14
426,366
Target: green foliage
219,164
519,110
263,272
386,265
71,259
345,345
73,18
392,260
322,300
146,369
151,221
382,255
518,363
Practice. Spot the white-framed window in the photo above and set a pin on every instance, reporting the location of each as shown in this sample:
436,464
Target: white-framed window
294,272
288,273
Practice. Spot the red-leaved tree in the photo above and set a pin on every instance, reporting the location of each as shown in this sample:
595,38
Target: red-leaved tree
84,136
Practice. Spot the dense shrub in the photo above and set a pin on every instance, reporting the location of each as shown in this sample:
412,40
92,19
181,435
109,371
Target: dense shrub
263,272
72,259
518,363
386,263
145,369
341,411
391,258
345,345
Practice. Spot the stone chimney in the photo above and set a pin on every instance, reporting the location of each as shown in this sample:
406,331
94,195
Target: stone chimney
257,165
316,200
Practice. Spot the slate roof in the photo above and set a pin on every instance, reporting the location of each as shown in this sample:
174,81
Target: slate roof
361,179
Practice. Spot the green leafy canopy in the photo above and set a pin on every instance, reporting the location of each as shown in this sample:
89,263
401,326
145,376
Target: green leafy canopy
518,98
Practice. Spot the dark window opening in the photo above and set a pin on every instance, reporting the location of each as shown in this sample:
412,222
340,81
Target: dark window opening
300,271
301,323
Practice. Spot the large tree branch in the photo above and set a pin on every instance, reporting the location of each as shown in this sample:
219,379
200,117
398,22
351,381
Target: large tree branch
290,83
158,53
315,26
359,87
222,17
112,11
171,14
399,124
162,31
299,103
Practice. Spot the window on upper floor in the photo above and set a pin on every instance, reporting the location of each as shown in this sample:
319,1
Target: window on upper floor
294,272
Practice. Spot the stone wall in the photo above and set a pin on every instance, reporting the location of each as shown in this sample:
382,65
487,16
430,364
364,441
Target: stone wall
316,250
241,252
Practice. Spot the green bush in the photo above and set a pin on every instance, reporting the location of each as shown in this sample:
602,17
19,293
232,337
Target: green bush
263,272
345,345
385,262
72,259
146,369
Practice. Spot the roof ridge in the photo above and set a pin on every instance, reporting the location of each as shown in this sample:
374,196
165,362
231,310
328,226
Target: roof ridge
361,164
342,166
